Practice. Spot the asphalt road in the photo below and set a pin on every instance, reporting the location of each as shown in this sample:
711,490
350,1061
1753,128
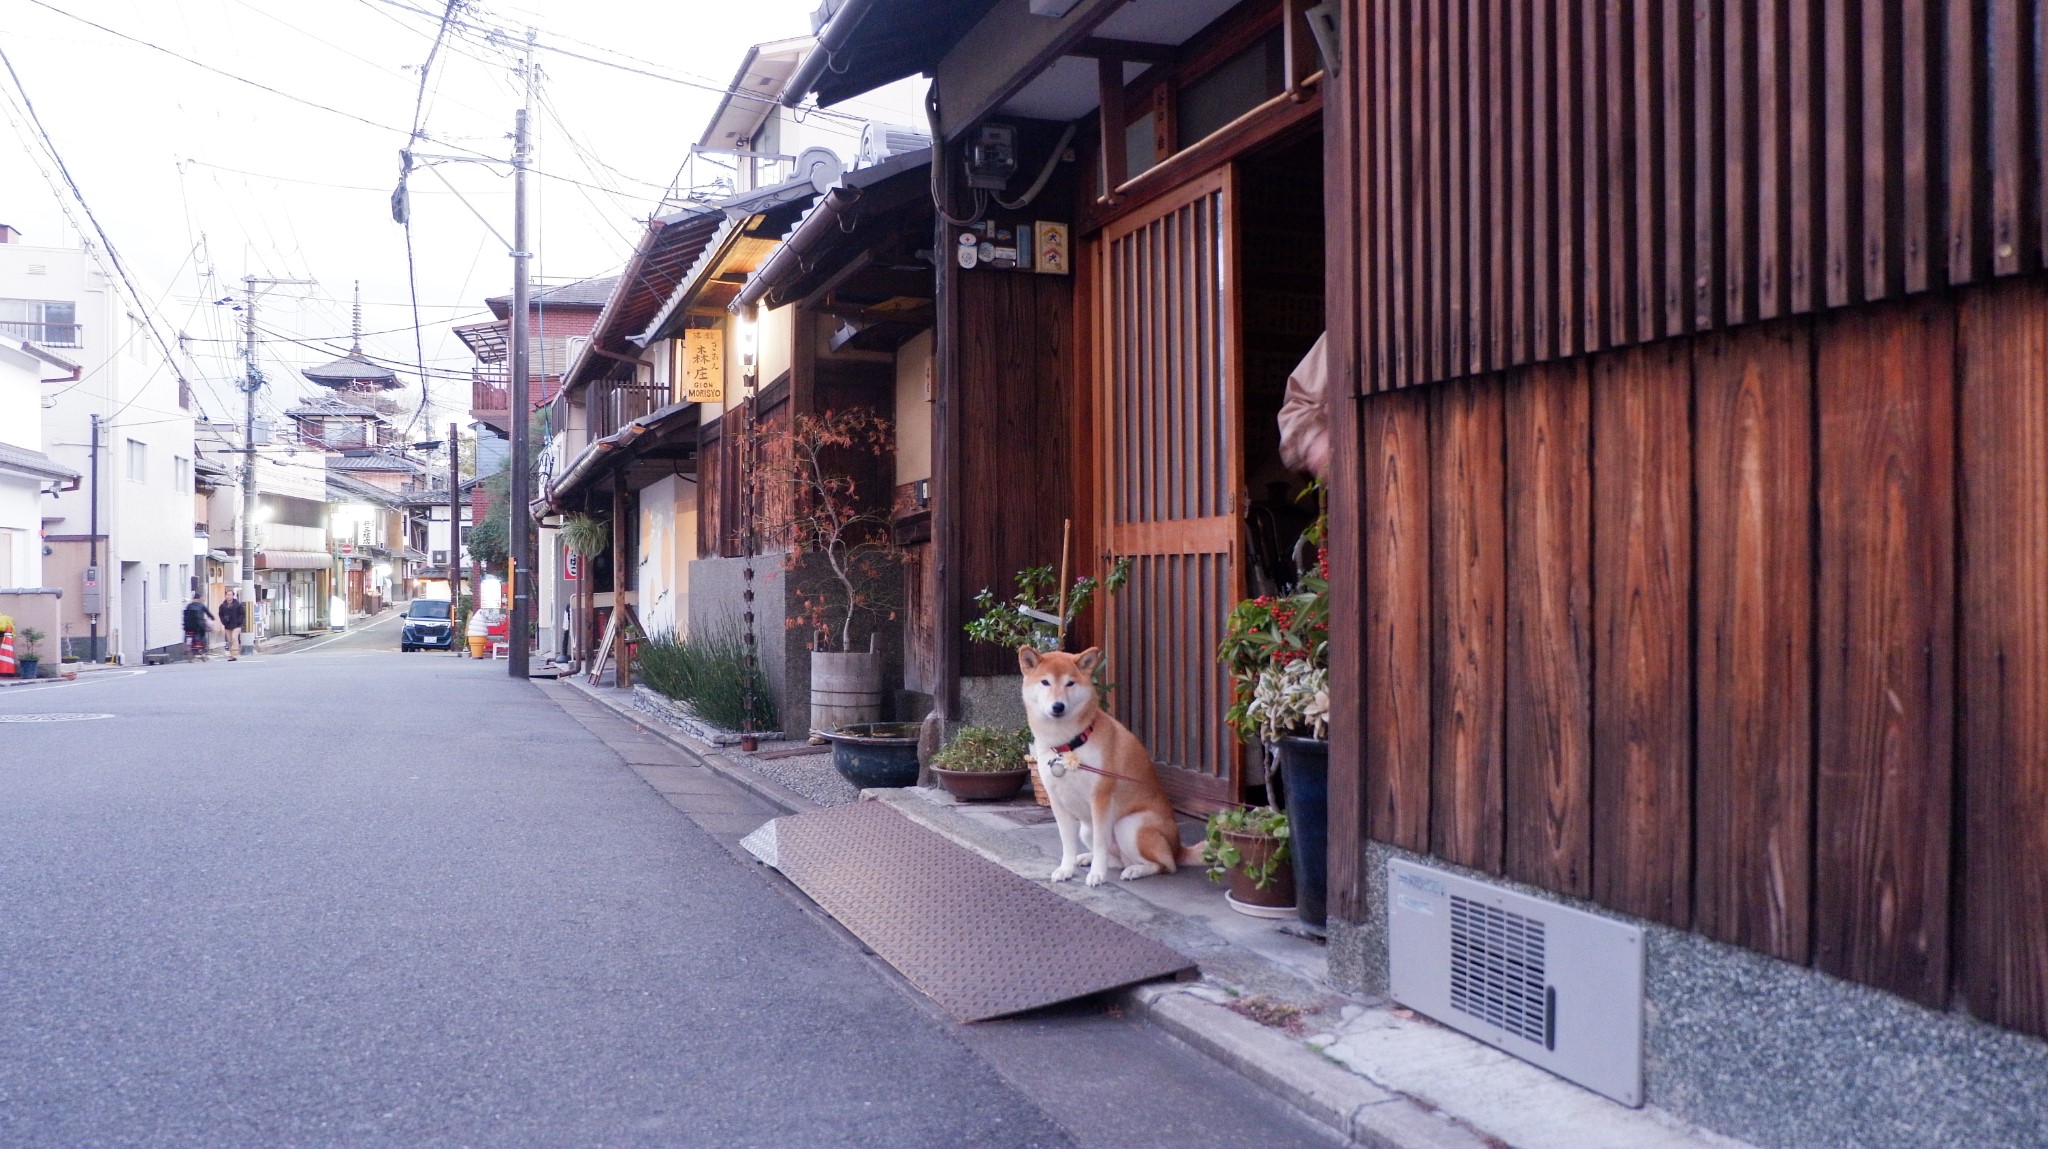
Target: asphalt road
349,897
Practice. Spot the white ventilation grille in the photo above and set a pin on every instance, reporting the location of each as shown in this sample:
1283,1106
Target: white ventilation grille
1497,970
1554,985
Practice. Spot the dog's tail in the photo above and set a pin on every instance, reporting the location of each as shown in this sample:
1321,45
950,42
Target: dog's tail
1191,855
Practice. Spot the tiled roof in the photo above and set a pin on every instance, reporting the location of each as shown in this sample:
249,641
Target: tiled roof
23,460
374,461
582,293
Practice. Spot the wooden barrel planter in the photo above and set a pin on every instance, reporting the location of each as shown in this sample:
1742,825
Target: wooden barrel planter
846,689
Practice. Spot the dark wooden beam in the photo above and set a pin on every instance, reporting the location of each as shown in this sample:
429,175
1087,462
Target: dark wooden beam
1144,52
1116,165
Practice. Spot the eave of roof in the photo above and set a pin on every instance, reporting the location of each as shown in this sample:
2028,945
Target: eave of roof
755,90
834,224
864,44
670,246
34,464
754,228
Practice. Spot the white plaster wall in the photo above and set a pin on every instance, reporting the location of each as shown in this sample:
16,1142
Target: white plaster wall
913,410
20,505
668,543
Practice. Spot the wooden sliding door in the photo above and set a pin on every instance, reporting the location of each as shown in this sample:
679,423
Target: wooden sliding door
1170,477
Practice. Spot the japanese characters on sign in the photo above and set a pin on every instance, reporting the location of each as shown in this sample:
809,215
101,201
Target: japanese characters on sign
704,365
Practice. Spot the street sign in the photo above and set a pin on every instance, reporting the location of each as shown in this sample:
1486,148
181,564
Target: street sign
572,565
704,365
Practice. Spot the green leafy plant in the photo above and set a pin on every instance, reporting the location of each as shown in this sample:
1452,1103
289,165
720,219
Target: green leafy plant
30,636
1276,649
1006,624
585,535
1222,855
707,672
488,543
985,749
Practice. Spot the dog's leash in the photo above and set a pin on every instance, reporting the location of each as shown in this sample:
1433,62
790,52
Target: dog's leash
1059,767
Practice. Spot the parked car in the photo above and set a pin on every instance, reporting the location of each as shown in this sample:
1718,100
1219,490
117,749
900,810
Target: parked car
426,626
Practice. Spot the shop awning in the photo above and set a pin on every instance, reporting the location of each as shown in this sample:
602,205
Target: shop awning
293,560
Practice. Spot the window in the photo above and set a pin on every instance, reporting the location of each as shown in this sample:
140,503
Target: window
1247,80
138,461
181,472
7,544
163,582
185,577
50,321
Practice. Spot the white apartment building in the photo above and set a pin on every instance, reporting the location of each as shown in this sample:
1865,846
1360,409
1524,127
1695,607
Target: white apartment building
125,425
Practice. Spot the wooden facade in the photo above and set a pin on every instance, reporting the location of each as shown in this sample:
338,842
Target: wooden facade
1536,179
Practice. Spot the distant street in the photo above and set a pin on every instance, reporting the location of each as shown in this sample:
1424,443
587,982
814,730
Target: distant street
344,896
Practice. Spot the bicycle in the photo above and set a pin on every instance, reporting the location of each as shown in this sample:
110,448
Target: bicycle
195,645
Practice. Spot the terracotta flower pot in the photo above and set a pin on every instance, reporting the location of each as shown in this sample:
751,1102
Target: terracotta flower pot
1255,849
982,785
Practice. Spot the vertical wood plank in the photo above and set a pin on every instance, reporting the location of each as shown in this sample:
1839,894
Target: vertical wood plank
1707,137
2007,32
1738,166
1521,102
1963,134
1877,101
1593,270
1838,130
1469,583
1618,74
1395,588
1642,696
1458,186
1753,398
1886,643
1806,215
1570,142
1346,168
1501,145
1675,60
1547,737
1770,159
1543,211
1647,315
1918,250
2004,888
1434,76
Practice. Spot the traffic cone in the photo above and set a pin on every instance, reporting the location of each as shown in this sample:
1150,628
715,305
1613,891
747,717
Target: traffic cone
7,665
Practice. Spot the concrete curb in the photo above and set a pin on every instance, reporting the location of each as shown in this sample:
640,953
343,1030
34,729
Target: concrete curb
1327,1093
767,789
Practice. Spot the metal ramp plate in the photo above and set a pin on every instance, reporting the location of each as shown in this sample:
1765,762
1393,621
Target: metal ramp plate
976,938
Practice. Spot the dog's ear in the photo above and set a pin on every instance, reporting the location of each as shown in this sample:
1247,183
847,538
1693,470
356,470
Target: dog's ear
1027,657
1089,659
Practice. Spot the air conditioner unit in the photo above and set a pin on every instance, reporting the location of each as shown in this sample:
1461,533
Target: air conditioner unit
879,141
1553,985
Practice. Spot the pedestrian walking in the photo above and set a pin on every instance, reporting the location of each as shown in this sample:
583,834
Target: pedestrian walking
196,618
234,614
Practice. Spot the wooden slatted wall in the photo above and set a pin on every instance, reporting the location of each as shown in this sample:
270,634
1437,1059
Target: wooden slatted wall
1535,179
1745,634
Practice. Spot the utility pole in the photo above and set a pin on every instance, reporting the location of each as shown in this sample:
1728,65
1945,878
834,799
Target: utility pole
518,519
252,382
457,642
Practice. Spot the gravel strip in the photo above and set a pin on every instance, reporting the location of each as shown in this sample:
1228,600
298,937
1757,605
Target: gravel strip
811,775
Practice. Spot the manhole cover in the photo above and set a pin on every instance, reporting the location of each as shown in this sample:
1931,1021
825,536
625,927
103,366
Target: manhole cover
51,717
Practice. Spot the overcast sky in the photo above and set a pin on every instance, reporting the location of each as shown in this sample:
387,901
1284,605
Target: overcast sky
200,179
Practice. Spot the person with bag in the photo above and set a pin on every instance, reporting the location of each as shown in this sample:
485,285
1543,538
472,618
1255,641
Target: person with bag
234,615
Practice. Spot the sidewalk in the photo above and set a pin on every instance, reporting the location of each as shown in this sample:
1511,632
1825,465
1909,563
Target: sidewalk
1371,1071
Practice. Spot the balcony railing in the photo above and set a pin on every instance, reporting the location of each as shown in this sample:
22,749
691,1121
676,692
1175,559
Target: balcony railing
613,405
490,392
47,334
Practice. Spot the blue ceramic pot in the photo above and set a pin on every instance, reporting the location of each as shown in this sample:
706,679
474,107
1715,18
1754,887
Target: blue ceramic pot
876,754
1305,773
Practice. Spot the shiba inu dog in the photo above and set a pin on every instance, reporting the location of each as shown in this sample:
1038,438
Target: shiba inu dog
1104,789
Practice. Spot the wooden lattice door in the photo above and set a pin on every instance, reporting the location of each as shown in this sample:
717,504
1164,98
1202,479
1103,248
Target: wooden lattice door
1168,382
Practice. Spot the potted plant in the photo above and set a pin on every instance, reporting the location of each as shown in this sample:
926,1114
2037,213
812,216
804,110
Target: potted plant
31,662
1037,615
1276,649
1251,846
984,763
817,506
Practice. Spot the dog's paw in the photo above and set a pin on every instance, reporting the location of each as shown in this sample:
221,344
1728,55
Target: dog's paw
1063,872
1097,877
1141,870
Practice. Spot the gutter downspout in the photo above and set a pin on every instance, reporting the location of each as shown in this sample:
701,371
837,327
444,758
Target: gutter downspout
830,40
822,220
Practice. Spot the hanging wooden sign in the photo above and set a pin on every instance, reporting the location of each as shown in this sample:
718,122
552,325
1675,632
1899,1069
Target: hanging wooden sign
704,365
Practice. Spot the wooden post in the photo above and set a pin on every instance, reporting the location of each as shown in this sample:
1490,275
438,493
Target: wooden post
624,677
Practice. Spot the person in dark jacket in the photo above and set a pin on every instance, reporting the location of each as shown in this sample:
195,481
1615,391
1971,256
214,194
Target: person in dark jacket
196,618
234,614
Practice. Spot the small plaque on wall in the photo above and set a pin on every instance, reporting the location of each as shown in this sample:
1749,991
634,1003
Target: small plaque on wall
704,365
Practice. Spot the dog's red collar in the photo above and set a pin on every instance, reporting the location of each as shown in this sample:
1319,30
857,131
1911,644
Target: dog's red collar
1079,741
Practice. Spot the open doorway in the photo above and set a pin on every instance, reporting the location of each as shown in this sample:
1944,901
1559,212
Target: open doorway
1280,238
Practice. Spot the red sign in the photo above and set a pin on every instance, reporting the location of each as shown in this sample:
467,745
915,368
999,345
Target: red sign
572,565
